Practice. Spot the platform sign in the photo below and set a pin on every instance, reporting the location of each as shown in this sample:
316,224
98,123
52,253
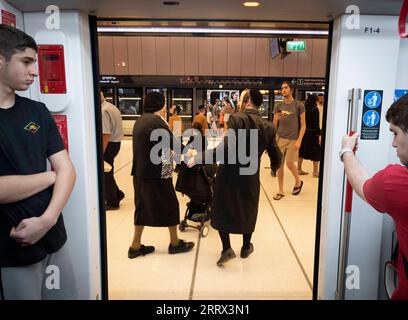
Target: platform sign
399,93
371,119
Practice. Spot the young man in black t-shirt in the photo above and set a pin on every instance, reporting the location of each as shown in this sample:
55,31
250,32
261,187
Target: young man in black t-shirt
34,260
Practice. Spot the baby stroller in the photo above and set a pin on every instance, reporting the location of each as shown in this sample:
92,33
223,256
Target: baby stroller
198,184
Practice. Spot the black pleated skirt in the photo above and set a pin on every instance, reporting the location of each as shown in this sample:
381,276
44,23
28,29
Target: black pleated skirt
156,203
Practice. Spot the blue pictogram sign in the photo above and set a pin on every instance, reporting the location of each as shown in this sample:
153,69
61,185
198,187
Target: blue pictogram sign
371,118
399,93
372,99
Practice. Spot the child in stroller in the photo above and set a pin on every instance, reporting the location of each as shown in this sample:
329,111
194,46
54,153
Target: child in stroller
198,184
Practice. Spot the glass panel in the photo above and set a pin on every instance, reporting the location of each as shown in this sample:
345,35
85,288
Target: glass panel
108,93
264,108
184,98
130,101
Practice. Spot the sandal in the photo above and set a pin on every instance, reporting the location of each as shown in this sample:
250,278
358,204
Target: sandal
278,196
296,190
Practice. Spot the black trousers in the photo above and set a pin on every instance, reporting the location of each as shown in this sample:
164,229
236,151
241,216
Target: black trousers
112,191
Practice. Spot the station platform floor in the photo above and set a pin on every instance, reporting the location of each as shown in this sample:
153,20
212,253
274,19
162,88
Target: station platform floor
281,266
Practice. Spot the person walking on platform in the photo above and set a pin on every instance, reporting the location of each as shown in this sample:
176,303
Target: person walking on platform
175,122
236,194
310,147
156,203
289,119
201,118
32,231
387,190
112,132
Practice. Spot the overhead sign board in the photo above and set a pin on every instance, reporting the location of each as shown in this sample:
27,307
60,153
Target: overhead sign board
292,46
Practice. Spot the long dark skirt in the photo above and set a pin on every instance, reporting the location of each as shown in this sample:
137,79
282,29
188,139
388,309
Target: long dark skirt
156,203
310,148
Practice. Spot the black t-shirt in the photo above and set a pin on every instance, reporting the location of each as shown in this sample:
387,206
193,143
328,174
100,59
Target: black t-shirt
28,136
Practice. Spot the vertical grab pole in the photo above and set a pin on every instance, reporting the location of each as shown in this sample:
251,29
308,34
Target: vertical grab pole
354,96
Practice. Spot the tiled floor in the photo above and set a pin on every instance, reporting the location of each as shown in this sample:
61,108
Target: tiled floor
281,266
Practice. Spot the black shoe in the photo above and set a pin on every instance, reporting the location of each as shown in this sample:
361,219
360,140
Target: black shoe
142,251
226,256
112,207
246,252
121,195
183,246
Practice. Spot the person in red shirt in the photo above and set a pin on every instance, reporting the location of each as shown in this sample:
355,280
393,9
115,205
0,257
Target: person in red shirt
387,190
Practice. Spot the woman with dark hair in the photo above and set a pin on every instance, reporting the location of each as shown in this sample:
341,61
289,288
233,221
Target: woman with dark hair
310,147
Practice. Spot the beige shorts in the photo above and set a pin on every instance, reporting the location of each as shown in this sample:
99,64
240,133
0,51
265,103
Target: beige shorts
288,150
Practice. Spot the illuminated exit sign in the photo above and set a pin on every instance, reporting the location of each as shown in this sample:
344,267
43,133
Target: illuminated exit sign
295,45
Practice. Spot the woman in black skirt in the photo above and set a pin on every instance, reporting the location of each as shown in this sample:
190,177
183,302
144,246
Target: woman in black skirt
310,147
156,203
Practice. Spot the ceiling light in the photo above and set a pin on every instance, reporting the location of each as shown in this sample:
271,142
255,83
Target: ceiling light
212,31
251,4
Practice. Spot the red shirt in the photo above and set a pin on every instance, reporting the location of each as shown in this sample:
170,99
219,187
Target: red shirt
387,191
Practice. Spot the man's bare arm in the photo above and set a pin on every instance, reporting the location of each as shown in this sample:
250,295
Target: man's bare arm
64,183
19,187
356,174
30,230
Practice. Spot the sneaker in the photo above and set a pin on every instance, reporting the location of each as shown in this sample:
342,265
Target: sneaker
183,246
142,251
246,252
225,257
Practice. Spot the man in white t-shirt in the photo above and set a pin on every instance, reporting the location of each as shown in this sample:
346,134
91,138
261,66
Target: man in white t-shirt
112,136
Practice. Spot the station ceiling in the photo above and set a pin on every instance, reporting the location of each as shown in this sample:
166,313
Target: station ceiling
269,10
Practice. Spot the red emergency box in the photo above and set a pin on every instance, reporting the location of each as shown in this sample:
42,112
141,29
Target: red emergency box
51,69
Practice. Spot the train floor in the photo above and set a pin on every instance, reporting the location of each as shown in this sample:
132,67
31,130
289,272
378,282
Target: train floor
281,266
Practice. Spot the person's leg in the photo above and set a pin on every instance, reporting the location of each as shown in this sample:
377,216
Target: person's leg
246,240
137,237
227,253
23,283
300,161
59,280
225,239
281,143
111,188
281,176
247,246
316,169
137,248
299,167
174,240
292,167
292,155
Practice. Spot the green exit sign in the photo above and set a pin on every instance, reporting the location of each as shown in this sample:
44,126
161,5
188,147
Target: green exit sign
295,45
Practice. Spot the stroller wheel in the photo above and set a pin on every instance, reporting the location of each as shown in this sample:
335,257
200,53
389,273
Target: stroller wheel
204,231
182,225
